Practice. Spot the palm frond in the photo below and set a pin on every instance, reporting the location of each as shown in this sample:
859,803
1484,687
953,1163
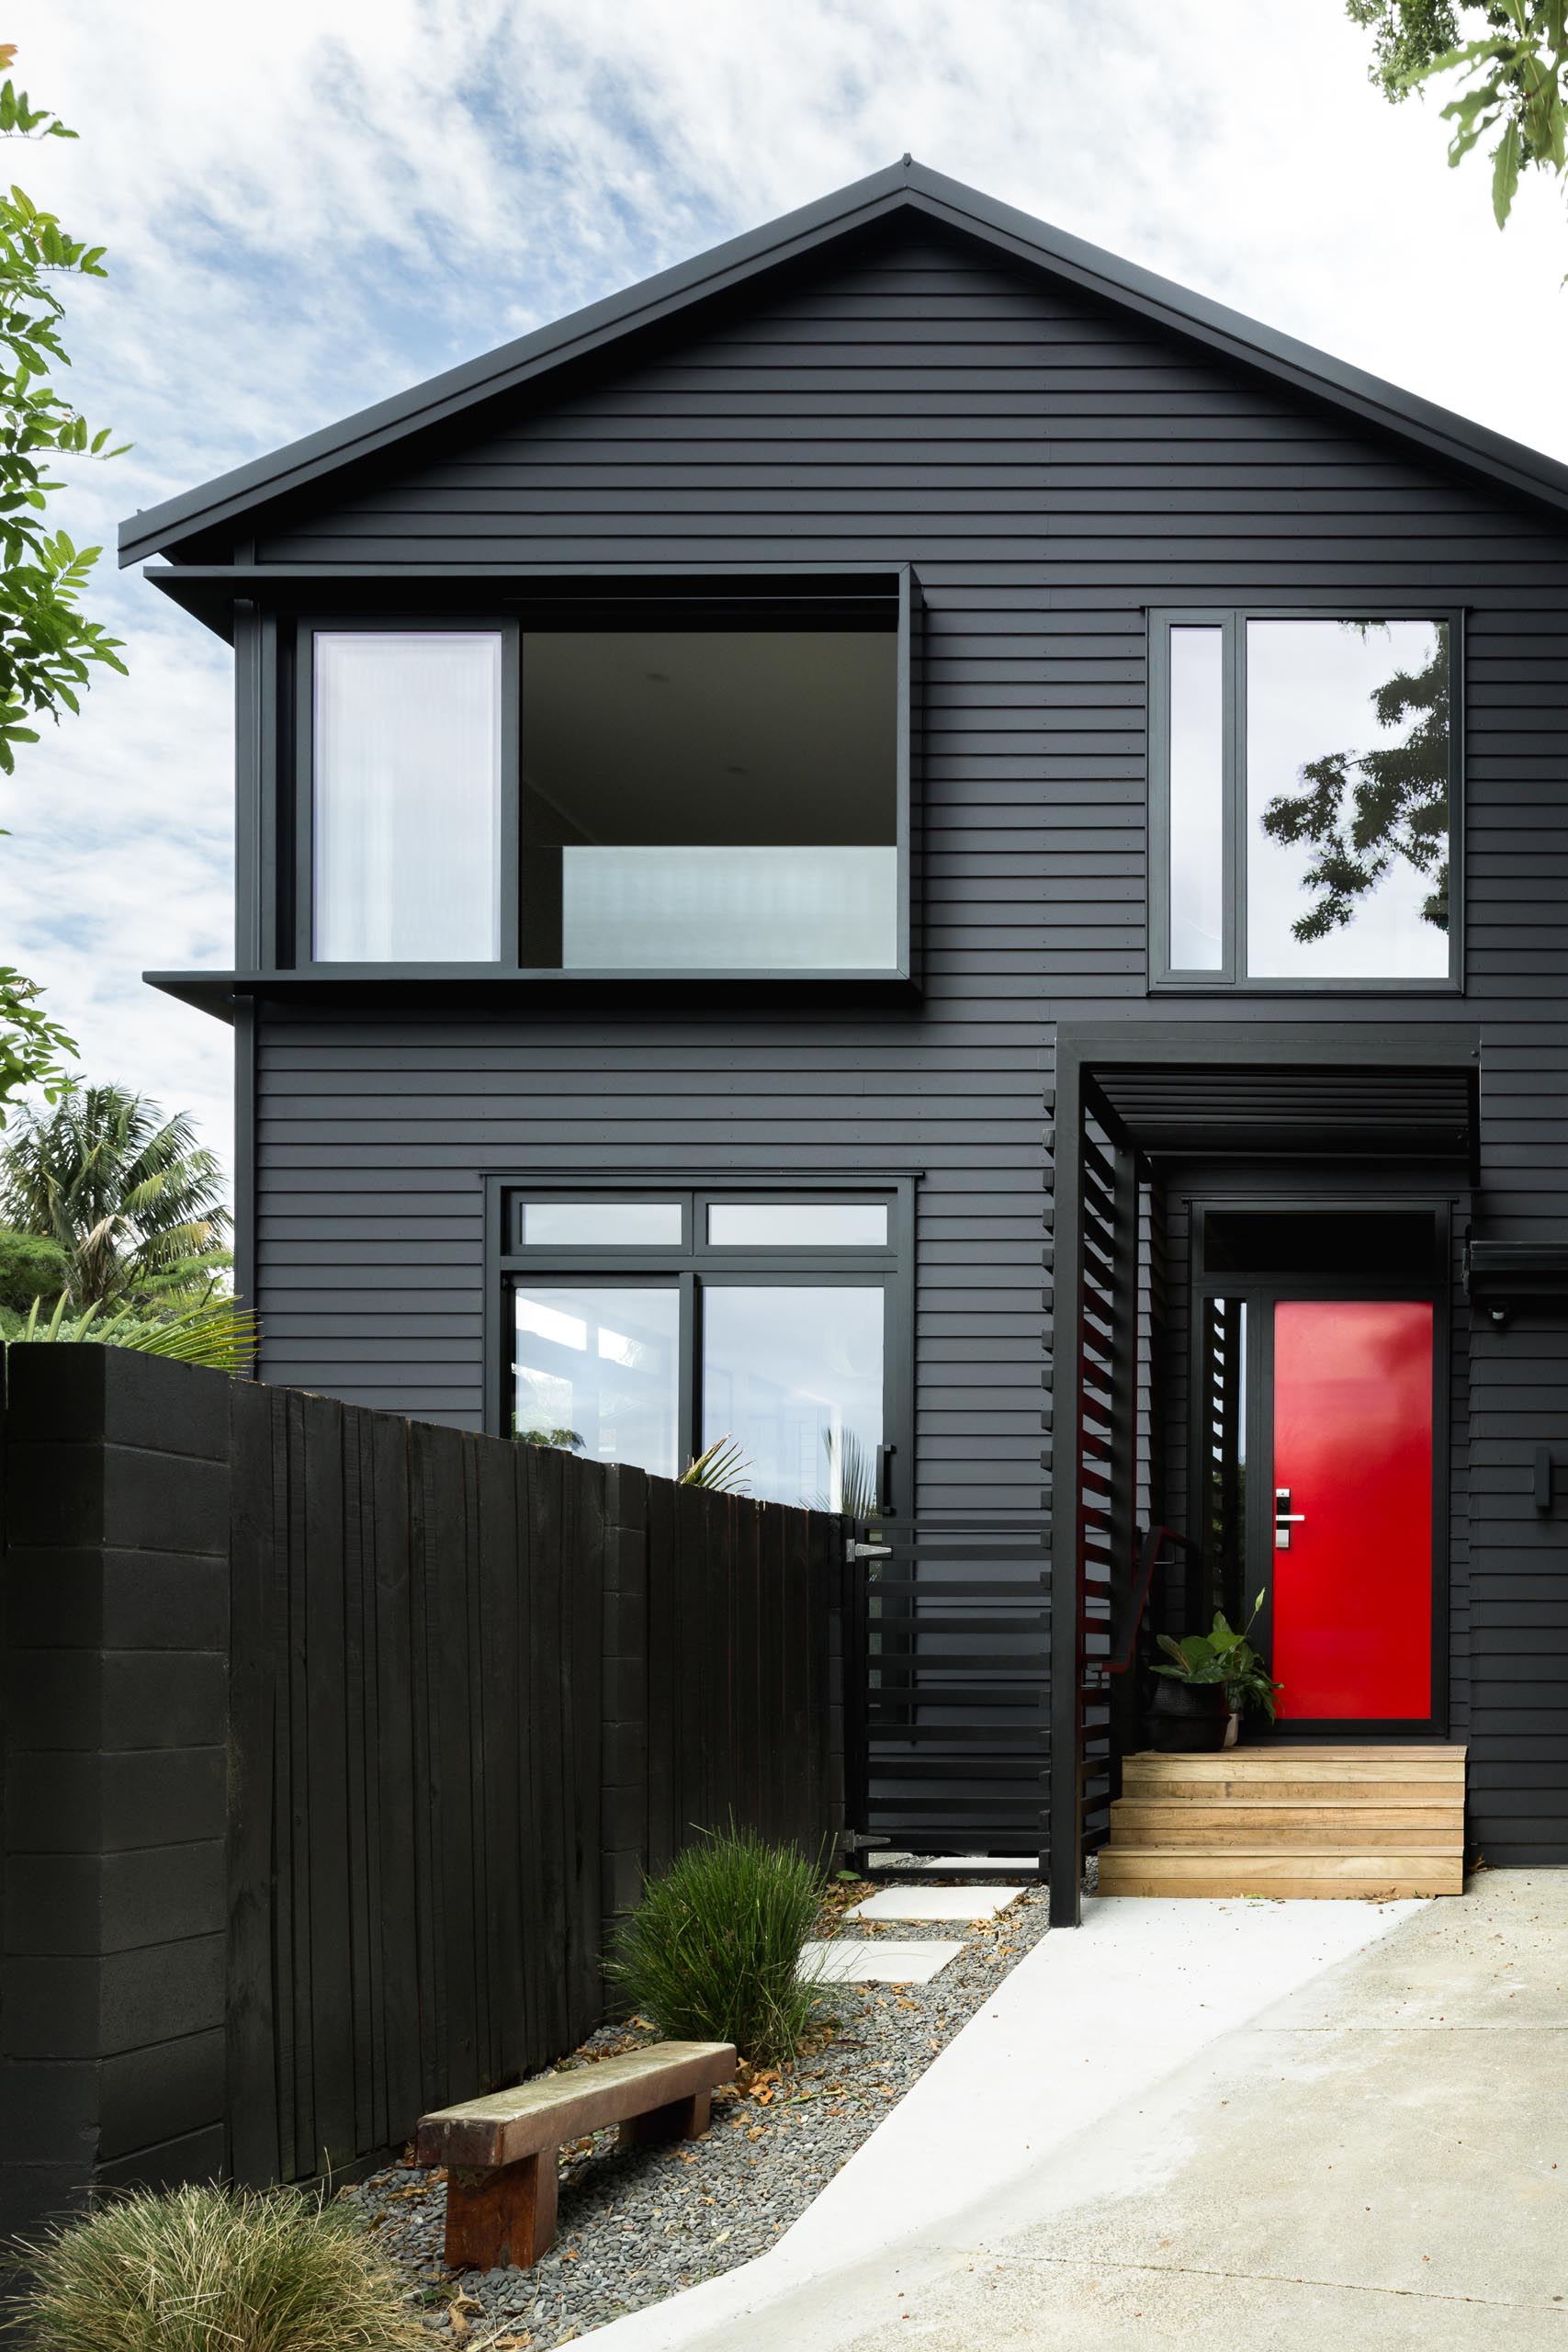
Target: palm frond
219,1334
123,1191
721,1466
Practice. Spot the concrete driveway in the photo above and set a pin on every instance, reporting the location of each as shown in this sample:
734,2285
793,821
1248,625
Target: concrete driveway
1376,2159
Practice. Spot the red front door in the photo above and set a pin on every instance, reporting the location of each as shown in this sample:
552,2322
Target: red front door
1352,1594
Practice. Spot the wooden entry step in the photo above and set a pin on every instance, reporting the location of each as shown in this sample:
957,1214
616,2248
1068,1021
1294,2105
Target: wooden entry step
1288,1821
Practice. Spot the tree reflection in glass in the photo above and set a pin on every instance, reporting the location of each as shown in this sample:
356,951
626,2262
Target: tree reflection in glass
1348,799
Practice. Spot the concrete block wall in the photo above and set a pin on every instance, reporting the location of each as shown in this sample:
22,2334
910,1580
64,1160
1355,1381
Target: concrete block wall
114,1630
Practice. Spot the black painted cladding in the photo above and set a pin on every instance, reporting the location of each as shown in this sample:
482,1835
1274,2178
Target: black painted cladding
1050,467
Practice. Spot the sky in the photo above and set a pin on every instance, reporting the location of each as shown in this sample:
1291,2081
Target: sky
310,207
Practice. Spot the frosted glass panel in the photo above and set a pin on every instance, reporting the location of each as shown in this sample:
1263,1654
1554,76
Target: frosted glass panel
654,908
798,1224
1197,799
407,798
597,1370
1348,799
794,1376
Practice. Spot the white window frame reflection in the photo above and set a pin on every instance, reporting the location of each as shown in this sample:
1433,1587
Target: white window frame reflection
1232,975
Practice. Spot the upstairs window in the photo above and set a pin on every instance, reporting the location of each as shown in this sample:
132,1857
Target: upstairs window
406,816
1303,801
614,781
710,801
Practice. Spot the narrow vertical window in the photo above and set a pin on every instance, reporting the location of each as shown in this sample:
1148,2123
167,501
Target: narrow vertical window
1197,799
406,808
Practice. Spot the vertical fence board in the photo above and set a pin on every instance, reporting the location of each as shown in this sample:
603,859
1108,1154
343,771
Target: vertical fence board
255,2150
478,1690
393,1769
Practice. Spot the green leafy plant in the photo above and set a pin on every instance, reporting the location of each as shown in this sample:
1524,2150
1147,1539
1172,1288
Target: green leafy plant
1514,64
208,2270
721,1466
32,1266
213,1332
1226,1657
49,649
34,1049
132,1199
713,1952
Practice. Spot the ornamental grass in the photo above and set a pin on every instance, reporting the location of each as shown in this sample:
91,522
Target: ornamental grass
713,1952
209,2269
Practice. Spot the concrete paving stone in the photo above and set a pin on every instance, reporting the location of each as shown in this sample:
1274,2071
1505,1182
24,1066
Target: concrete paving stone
881,1962
936,1903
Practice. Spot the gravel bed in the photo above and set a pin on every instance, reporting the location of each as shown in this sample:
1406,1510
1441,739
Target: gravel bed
636,2227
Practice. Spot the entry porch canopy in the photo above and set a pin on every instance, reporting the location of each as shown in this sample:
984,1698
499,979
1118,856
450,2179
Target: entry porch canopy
1131,1094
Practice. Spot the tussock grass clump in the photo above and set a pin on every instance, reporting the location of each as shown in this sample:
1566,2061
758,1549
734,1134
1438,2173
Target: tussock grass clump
713,1954
208,2269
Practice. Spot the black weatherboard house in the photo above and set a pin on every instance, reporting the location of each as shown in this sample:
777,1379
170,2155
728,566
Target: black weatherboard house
911,847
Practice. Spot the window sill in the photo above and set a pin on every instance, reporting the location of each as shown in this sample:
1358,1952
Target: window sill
438,985
1219,991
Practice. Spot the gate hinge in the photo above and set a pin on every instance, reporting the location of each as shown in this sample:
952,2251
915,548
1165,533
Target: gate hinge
854,1551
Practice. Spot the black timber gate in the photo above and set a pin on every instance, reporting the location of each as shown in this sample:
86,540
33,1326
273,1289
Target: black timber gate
948,1669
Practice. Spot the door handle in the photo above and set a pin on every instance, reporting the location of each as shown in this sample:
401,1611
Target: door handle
1284,1519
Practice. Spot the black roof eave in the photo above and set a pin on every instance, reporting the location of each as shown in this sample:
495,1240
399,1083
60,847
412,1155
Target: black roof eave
902,187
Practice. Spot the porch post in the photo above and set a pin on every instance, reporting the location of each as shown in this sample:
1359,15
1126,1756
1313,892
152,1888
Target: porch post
1063,1859
1123,1694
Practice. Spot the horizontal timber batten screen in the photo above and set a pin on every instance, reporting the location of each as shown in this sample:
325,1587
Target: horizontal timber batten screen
332,1743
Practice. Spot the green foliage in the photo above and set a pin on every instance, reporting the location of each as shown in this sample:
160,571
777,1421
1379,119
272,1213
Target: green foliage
1510,56
33,1049
1226,1656
208,2270
48,649
721,1466
132,1199
32,1266
211,1331
569,1441
713,1954
1363,810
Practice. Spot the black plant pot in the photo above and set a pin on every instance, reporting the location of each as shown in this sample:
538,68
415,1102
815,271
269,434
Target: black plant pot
1188,1718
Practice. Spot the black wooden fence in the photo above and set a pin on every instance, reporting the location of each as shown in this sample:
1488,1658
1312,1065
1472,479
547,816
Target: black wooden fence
333,1742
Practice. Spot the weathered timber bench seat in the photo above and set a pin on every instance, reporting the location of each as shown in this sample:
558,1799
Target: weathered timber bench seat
500,2152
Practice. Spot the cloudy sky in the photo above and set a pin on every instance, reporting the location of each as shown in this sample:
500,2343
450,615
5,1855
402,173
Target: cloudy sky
310,206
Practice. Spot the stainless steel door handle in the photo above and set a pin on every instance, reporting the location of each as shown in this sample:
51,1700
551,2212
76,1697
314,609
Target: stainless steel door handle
1284,1519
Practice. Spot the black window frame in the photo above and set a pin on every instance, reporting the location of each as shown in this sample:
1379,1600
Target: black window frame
698,1264
886,600
1232,978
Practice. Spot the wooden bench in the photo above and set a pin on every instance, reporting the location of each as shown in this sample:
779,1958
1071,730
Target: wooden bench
500,2152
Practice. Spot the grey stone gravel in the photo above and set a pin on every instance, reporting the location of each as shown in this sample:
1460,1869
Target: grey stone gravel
638,2227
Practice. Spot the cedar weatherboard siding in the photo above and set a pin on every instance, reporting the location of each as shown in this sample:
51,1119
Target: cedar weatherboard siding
1050,467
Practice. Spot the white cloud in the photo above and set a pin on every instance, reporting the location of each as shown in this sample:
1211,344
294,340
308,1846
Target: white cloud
309,208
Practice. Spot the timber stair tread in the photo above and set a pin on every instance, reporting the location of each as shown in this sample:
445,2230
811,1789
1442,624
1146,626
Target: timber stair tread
1288,1821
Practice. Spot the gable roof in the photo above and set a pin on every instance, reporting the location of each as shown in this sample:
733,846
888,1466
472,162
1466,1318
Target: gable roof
904,187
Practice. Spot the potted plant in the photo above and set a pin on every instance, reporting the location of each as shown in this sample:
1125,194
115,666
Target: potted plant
1210,1678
